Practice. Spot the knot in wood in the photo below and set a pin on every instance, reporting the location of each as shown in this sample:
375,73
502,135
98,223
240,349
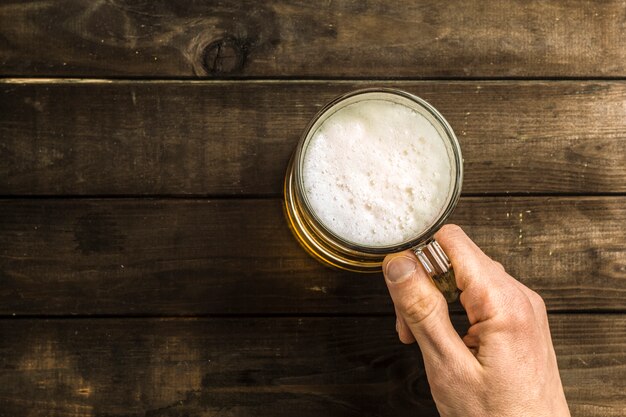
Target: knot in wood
224,56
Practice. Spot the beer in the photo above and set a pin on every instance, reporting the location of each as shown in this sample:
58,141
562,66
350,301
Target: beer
375,172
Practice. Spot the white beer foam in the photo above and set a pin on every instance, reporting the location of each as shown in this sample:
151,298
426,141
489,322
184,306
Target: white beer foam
377,173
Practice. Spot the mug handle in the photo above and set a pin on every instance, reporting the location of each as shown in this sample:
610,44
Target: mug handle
437,264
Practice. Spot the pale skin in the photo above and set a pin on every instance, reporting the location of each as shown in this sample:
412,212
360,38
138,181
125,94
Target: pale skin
505,365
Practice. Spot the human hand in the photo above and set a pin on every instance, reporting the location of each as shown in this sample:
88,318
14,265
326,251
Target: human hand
505,365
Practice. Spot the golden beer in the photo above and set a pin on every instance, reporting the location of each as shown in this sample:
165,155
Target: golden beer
369,125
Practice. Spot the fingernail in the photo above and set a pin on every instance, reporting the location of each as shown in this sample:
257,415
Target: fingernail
399,268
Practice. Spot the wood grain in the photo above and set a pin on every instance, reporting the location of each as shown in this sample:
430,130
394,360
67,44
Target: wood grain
234,260
301,39
235,138
179,257
265,367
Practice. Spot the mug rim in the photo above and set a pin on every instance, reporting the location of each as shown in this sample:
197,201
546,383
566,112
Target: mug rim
425,235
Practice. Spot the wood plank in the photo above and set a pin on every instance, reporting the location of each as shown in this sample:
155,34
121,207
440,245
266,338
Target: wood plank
265,367
235,138
179,257
474,38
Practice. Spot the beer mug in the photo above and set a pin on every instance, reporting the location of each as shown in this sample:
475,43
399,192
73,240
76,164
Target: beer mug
376,171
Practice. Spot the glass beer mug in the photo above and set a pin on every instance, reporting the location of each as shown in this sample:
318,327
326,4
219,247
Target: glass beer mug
376,171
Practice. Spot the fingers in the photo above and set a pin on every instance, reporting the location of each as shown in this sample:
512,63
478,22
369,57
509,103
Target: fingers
487,290
468,260
481,280
423,310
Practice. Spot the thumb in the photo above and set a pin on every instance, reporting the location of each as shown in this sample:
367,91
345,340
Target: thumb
424,310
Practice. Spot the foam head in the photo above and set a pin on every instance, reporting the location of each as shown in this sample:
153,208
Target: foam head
377,173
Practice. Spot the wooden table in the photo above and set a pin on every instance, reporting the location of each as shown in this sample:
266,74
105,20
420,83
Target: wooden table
145,265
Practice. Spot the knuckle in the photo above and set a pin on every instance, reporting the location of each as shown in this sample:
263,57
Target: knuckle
420,309
486,300
537,302
539,307
499,265
520,315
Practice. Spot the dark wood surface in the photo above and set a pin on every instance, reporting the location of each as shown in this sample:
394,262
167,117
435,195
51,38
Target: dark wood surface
145,265
353,38
265,367
181,257
235,138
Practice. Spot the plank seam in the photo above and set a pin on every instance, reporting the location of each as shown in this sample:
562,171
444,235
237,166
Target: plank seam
16,79
272,196
265,315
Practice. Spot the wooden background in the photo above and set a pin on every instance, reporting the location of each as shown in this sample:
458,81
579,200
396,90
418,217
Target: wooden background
145,265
